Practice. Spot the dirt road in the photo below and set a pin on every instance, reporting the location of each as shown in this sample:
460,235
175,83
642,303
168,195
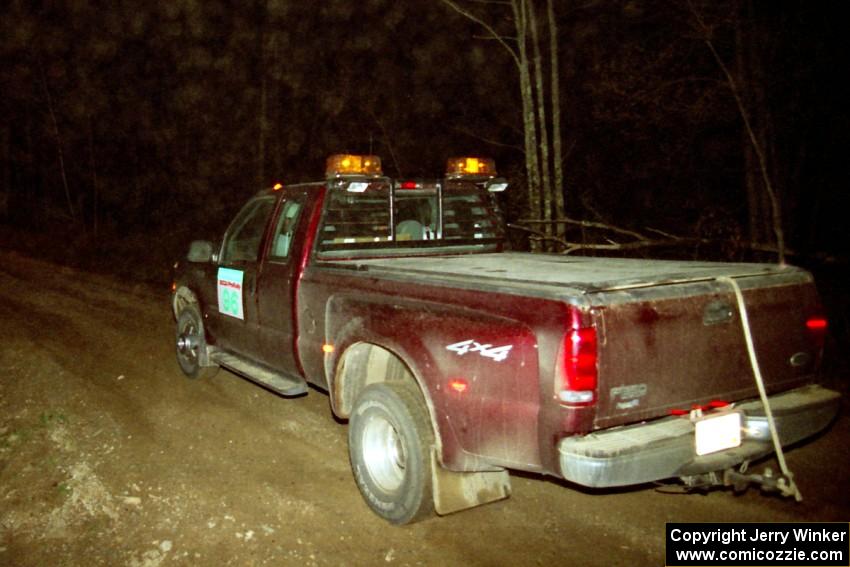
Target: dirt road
108,456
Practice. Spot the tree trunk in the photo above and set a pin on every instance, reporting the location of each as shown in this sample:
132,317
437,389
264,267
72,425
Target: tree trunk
94,184
543,148
263,129
528,115
6,158
263,121
557,158
58,141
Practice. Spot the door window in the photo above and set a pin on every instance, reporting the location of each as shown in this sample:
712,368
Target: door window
285,229
243,239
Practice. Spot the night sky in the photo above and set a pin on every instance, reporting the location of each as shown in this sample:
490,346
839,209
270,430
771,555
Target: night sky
131,128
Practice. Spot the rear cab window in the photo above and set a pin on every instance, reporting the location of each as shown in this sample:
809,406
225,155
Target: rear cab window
381,218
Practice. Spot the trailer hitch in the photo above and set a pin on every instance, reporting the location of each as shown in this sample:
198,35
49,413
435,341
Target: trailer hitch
738,480
768,481
785,481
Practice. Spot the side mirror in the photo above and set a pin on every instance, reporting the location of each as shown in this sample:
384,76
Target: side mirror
200,251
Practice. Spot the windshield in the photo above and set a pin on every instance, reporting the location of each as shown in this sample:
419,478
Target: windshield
419,219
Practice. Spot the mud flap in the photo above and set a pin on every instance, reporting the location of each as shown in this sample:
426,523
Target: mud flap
456,491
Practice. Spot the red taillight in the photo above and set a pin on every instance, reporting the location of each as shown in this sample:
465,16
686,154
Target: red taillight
409,185
713,404
817,325
579,380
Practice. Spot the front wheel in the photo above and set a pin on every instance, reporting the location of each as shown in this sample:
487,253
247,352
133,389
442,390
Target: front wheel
389,444
190,343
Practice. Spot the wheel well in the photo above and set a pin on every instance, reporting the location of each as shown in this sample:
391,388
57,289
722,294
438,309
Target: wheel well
182,297
363,364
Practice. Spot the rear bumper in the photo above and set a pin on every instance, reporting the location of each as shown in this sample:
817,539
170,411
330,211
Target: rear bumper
665,448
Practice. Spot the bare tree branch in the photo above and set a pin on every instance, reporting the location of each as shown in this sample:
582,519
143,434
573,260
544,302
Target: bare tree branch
487,140
454,6
568,153
733,86
640,241
491,38
388,142
539,236
589,224
570,247
661,232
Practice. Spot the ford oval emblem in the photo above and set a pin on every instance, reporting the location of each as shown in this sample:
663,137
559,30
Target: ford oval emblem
800,359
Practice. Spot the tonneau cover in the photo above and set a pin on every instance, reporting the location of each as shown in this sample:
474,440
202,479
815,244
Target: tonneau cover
585,275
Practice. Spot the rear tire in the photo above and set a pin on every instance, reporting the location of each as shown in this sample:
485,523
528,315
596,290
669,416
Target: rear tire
389,443
190,343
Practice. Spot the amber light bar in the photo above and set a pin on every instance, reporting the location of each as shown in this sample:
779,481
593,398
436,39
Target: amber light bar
470,167
339,165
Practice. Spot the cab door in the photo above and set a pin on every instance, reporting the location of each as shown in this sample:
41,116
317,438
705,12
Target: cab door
277,281
233,317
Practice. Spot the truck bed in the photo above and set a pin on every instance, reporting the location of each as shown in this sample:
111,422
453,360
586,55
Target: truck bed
670,337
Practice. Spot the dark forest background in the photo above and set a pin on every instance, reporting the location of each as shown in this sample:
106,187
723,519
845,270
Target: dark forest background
129,128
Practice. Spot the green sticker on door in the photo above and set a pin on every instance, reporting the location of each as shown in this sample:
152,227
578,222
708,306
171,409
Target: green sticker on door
230,292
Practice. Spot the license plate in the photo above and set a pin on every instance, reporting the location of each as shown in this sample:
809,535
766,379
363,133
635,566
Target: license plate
717,433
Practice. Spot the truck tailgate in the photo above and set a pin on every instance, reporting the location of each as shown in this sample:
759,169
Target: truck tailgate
672,347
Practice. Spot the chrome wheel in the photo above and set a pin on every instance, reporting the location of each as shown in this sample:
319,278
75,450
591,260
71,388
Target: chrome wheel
190,344
188,341
383,453
389,443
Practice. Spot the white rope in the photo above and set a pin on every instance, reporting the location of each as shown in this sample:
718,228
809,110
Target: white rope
751,350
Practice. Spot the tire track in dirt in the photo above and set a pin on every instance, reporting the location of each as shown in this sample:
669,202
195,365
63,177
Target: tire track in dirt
108,456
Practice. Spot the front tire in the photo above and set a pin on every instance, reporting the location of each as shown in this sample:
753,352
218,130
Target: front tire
389,443
190,343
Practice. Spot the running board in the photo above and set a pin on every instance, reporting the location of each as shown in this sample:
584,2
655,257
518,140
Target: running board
283,384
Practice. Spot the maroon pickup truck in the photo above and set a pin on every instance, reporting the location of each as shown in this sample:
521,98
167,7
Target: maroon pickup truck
454,359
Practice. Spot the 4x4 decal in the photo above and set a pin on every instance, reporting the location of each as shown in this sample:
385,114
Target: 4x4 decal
486,350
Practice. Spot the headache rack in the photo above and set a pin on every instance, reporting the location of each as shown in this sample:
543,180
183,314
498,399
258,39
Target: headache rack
379,213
